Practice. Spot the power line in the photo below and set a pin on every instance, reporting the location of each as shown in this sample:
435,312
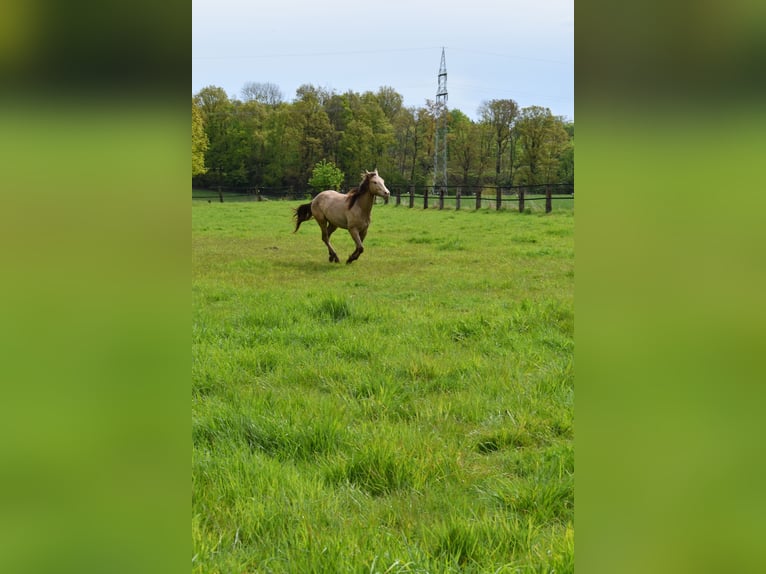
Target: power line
545,60
476,89
306,54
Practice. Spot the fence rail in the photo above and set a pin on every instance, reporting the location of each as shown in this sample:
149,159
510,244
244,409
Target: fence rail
223,194
456,197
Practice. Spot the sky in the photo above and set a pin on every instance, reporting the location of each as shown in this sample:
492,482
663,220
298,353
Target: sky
494,49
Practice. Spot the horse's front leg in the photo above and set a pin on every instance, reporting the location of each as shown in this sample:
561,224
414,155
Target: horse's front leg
357,237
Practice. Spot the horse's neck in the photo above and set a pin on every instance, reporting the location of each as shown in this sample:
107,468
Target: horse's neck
365,202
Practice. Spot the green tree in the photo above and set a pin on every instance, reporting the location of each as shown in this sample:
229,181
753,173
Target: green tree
263,141
280,154
216,111
200,141
355,149
464,145
373,114
500,115
326,175
425,132
401,152
339,113
542,139
247,132
390,101
566,160
313,125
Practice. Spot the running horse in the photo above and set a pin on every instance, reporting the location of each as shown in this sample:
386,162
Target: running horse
348,211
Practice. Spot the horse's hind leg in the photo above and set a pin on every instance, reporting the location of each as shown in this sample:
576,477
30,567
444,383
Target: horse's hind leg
327,230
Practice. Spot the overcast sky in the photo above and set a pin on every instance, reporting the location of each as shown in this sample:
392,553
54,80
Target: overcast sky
495,49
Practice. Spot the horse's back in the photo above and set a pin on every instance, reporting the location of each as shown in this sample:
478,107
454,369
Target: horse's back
330,205
329,195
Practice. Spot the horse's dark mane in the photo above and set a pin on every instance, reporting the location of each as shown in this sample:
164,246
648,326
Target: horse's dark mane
357,192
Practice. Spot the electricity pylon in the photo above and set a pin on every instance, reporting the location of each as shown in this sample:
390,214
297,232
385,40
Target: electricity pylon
440,142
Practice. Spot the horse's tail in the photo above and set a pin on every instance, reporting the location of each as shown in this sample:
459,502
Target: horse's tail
302,213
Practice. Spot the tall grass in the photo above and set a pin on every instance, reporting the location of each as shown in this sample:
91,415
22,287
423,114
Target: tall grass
410,412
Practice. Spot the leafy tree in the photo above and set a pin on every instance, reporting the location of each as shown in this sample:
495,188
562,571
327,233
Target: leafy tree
542,138
251,117
382,140
355,148
326,175
314,129
485,143
390,101
263,141
339,113
566,160
404,135
423,164
316,93
216,113
463,144
280,147
500,115
212,99
200,142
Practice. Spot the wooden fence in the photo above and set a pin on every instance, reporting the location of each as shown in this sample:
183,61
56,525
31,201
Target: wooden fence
429,197
478,197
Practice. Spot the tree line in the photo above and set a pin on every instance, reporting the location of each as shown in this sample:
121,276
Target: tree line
261,140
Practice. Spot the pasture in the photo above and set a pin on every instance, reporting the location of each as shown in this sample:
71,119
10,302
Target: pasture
410,412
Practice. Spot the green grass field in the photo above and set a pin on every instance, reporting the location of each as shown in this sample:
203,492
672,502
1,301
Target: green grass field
410,412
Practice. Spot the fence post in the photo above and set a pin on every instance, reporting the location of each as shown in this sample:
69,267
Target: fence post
499,198
412,196
425,198
398,196
441,198
521,200
478,198
220,194
457,199
548,202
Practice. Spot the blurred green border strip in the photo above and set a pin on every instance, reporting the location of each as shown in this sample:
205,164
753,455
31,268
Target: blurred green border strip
94,302
670,276
94,306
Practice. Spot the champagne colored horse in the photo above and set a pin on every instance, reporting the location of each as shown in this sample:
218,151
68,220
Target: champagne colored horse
348,211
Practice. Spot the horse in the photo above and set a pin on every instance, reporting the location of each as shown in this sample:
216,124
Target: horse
349,211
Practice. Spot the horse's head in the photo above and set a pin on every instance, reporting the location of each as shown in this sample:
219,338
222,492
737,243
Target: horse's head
376,184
